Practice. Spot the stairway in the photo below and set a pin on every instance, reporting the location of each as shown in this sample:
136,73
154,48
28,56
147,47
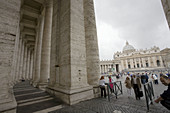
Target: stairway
34,100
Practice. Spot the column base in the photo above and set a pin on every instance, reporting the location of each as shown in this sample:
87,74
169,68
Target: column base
42,86
96,91
8,105
35,84
72,96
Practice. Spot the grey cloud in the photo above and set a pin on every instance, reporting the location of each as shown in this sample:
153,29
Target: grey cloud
141,22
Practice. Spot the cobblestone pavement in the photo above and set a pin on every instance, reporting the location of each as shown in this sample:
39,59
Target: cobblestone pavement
123,104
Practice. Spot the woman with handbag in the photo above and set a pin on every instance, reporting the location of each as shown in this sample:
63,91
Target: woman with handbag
165,96
136,84
102,86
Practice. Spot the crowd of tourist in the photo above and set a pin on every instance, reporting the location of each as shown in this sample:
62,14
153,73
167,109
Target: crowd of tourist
135,81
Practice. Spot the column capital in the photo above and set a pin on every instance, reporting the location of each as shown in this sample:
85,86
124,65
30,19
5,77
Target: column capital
48,3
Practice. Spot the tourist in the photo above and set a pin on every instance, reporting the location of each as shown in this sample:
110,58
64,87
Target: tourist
143,78
136,84
111,84
164,98
102,86
147,77
117,76
161,74
128,86
155,78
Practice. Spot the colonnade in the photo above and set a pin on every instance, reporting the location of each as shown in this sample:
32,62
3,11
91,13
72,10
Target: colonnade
54,46
105,68
142,62
132,63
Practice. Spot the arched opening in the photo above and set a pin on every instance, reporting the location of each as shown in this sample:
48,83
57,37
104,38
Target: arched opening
158,63
129,66
117,67
147,65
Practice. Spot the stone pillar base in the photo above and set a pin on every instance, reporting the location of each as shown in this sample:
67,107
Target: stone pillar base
8,105
71,96
42,86
9,111
96,91
35,84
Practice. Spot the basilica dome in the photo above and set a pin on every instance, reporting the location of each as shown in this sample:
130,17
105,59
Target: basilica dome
128,48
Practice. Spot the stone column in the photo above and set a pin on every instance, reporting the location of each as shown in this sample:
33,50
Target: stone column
25,62
122,65
46,44
72,86
92,52
149,61
154,61
126,64
18,60
15,57
131,63
9,35
105,68
54,60
166,7
31,63
140,63
37,55
161,61
100,68
22,60
143,62
28,65
135,62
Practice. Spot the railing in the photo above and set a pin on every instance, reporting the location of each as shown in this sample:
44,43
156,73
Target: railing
149,93
116,90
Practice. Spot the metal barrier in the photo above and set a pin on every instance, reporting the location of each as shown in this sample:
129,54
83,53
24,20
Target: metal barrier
149,93
117,89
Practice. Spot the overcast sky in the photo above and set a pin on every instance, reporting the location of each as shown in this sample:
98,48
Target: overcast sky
141,22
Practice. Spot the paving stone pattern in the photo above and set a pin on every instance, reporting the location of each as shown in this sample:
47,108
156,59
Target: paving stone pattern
24,93
123,104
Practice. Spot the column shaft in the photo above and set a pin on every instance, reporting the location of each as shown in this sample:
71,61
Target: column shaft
28,65
18,60
31,64
46,43
92,52
22,60
37,57
25,63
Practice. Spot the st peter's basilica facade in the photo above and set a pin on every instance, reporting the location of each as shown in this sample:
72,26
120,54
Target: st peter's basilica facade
133,60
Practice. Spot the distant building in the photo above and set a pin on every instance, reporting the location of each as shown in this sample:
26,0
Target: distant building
132,60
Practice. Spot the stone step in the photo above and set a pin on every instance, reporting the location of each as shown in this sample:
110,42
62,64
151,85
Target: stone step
34,100
50,109
23,92
32,93
49,104
30,96
23,89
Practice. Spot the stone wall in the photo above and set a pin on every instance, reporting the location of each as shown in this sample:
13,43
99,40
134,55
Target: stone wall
9,39
166,7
